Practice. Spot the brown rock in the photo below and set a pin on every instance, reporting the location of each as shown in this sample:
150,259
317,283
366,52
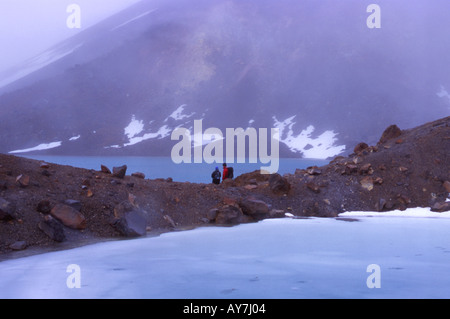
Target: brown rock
378,180
120,172
23,180
44,165
212,214
446,185
169,220
138,175
279,184
366,169
313,186
254,208
105,169
441,207
391,132
350,169
313,170
367,183
69,216
360,147
229,215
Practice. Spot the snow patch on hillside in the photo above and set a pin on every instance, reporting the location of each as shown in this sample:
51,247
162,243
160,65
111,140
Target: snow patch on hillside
321,147
40,147
179,114
134,128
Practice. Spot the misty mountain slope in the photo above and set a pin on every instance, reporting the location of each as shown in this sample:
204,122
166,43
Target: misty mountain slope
315,70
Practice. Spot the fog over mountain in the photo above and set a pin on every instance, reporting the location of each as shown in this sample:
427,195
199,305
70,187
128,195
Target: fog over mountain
313,69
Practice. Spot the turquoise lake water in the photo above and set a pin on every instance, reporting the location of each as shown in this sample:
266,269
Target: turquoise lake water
164,167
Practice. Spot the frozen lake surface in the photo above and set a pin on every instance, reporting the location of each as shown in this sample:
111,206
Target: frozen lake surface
278,258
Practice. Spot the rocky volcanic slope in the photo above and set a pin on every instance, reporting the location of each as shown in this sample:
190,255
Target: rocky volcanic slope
49,206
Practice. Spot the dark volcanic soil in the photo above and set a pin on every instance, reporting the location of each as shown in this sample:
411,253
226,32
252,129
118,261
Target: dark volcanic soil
405,169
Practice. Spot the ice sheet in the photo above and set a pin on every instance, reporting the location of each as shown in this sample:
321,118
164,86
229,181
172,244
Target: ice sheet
278,258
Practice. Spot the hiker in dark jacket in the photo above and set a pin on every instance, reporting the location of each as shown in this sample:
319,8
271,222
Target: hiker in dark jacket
216,176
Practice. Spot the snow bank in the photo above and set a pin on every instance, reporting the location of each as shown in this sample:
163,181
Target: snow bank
416,212
277,258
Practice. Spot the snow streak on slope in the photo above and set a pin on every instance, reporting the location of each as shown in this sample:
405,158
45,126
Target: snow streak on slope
321,147
133,131
133,19
36,63
39,147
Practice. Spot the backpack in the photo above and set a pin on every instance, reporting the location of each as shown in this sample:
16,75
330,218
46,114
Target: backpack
216,175
230,172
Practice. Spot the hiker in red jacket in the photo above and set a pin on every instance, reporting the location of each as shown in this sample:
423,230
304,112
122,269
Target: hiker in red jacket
225,172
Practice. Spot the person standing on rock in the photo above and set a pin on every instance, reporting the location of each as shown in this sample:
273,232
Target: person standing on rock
225,172
216,176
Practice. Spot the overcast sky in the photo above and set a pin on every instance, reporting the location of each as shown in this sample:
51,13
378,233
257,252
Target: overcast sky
28,27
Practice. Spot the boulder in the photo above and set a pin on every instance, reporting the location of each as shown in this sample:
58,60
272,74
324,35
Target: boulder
257,209
105,169
7,210
120,172
441,207
360,147
391,132
23,180
279,184
52,228
69,216
18,245
229,215
131,224
129,220
212,214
